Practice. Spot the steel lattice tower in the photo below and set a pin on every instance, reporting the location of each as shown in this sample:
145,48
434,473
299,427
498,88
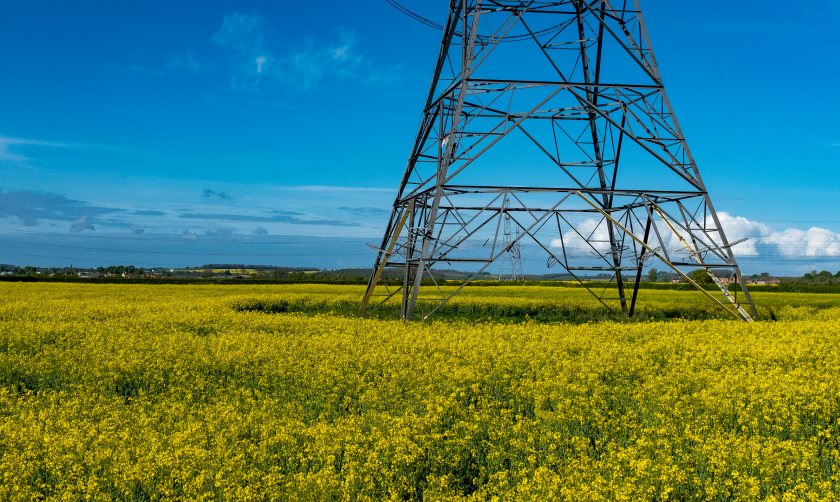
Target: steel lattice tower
511,261
551,116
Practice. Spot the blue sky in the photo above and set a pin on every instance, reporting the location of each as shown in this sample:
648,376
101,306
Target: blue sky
165,134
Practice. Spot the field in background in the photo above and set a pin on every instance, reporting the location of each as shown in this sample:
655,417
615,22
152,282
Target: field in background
236,392
537,303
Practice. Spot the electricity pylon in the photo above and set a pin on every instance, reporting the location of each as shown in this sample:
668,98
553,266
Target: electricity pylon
510,267
551,116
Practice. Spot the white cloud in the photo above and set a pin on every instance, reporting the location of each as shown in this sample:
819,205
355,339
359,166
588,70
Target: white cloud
814,242
790,243
743,235
595,231
761,239
737,228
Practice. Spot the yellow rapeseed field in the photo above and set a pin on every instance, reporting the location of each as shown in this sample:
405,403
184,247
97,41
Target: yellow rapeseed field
140,392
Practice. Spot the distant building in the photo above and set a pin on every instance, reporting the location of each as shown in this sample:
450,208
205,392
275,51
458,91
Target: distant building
764,281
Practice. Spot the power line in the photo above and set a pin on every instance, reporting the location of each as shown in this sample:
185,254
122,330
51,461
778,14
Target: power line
482,38
417,17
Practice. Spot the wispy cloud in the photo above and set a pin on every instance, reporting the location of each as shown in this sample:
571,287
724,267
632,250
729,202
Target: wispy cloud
125,206
31,207
318,60
336,188
285,212
26,151
221,232
273,218
82,224
245,37
364,211
258,58
212,194
11,148
383,78
188,235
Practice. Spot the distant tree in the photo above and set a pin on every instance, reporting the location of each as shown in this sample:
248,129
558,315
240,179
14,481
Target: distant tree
824,277
837,275
653,275
701,277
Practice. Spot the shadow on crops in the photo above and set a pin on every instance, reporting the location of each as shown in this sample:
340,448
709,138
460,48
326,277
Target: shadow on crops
29,380
542,312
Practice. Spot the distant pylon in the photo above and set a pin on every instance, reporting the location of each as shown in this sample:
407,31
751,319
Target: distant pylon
510,268
551,116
